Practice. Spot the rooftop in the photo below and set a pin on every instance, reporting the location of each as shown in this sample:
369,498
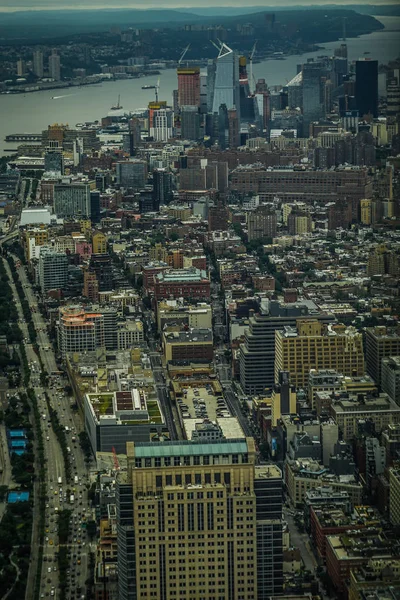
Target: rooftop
189,448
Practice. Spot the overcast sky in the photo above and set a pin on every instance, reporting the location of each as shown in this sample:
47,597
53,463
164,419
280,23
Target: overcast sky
15,5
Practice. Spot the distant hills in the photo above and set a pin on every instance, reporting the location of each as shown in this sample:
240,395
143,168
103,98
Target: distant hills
313,24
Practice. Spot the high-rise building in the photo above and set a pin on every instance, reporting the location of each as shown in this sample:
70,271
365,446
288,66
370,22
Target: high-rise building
257,353
313,94
38,63
90,286
391,377
226,87
94,206
101,265
53,269
21,67
199,519
190,123
162,187
54,161
131,173
135,137
380,342
310,345
79,331
54,66
188,86
161,121
233,128
366,92
261,223
72,199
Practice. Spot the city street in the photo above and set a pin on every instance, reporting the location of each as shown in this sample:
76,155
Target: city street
60,495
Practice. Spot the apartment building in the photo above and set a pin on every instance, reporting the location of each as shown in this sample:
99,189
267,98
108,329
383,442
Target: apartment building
188,345
79,331
199,520
182,283
53,270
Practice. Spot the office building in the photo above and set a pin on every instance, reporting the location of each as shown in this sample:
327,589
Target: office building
233,128
135,135
380,342
53,270
391,377
198,519
313,95
366,91
226,85
72,200
188,87
190,122
162,187
131,174
99,242
114,418
129,334
378,409
90,286
94,206
311,345
101,265
38,63
193,345
182,283
54,66
54,161
305,474
257,353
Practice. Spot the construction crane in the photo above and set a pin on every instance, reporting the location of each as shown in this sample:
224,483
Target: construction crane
216,45
183,55
253,50
115,459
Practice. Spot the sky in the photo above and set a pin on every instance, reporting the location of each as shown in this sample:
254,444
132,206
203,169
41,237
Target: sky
16,5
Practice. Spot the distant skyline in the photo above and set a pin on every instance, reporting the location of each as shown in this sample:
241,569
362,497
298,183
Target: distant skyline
23,5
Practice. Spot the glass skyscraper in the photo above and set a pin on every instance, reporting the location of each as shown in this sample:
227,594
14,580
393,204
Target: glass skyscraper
226,86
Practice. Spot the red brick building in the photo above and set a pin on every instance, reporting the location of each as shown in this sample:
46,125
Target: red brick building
182,283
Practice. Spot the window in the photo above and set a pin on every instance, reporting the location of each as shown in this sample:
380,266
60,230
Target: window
188,478
158,481
167,461
207,477
178,479
157,461
177,461
196,460
147,462
168,479
197,478
217,479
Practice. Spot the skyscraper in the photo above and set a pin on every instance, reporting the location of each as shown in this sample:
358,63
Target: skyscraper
190,123
313,96
162,187
189,86
54,66
21,67
134,135
38,63
367,87
199,519
161,121
226,87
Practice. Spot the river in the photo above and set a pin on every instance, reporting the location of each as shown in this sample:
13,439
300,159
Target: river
30,113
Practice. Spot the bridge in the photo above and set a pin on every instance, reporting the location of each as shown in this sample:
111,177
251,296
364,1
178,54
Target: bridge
24,137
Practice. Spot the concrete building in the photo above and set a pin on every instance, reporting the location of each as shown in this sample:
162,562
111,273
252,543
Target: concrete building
391,377
311,345
257,353
322,380
79,331
194,345
322,496
53,270
182,283
349,410
261,223
54,66
114,418
72,200
38,63
99,243
129,334
380,342
200,489
195,316
329,437
305,474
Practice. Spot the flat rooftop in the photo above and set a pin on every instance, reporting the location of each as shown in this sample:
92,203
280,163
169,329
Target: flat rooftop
191,335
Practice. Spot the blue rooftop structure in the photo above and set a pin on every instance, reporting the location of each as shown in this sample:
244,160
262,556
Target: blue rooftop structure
14,497
16,433
18,444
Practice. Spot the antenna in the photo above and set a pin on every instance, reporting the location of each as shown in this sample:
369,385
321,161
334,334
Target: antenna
183,54
251,63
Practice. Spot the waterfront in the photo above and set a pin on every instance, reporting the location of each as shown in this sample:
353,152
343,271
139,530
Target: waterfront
30,113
